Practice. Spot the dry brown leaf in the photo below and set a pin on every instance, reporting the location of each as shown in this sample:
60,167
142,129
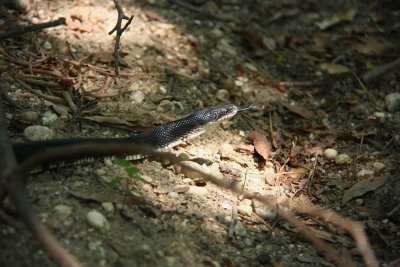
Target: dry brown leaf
77,24
370,46
363,187
299,110
261,144
334,68
348,15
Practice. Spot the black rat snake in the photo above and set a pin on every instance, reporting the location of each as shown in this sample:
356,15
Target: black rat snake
164,136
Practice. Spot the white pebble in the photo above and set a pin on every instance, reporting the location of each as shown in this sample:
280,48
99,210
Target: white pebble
330,153
47,45
49,118
245,209
97,220
137,97
39,133
108,207
29,116
197,191
342,159
63,210
172,195
392,102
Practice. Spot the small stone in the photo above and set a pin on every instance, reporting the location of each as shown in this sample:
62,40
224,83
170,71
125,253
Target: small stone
97,219
330,153
223,95
360,201
49,118
108,207
29,116
184,157
47,45
137,97
197,191
378,166
100,172
147,187
245,209
342,159
63,210
173,195
240,229
226,150
363,173
263,210
39,133
392,102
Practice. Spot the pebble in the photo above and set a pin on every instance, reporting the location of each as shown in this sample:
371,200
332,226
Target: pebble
360,201
245,209
49,118
223,95
39,133
378,166
197,191
330,153
108,207
342,159
263,210
364,172
47,45
226,150
63,210
97,219
29,116
172,195
147,187
240,229
137,97
392,102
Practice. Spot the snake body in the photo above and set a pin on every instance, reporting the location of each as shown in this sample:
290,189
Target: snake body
164,136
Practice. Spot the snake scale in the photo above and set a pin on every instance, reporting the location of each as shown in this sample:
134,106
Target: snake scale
164,136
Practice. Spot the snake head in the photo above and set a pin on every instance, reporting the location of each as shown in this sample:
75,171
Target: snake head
216,113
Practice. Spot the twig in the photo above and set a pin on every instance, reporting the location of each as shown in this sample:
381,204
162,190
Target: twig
118,27
50,98
14,186
31,28
378,71
99,149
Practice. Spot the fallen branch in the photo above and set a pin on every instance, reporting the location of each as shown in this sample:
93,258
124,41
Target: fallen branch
381,70
120,30
31,28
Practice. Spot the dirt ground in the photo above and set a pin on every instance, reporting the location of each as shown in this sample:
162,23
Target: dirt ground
306,61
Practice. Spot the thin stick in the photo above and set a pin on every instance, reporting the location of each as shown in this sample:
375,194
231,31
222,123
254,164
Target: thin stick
31,28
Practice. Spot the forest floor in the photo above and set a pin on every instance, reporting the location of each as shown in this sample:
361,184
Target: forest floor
312,64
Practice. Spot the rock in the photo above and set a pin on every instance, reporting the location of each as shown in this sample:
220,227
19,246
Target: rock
226,150
378,166
63,210
47,45
330,153
392,102
263,210
245,209
147,187
137,97
39,133
240,229
49,118
108,207
165,105
363,173
342,159
223,95
197,191
97,220
29,116
172,195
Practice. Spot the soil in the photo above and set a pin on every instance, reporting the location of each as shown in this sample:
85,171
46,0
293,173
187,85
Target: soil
304,61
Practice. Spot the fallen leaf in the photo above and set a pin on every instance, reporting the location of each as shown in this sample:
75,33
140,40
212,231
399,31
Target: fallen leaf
363,187
261,144
299,110
334,68
348,15
370,46
108,120
75,23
